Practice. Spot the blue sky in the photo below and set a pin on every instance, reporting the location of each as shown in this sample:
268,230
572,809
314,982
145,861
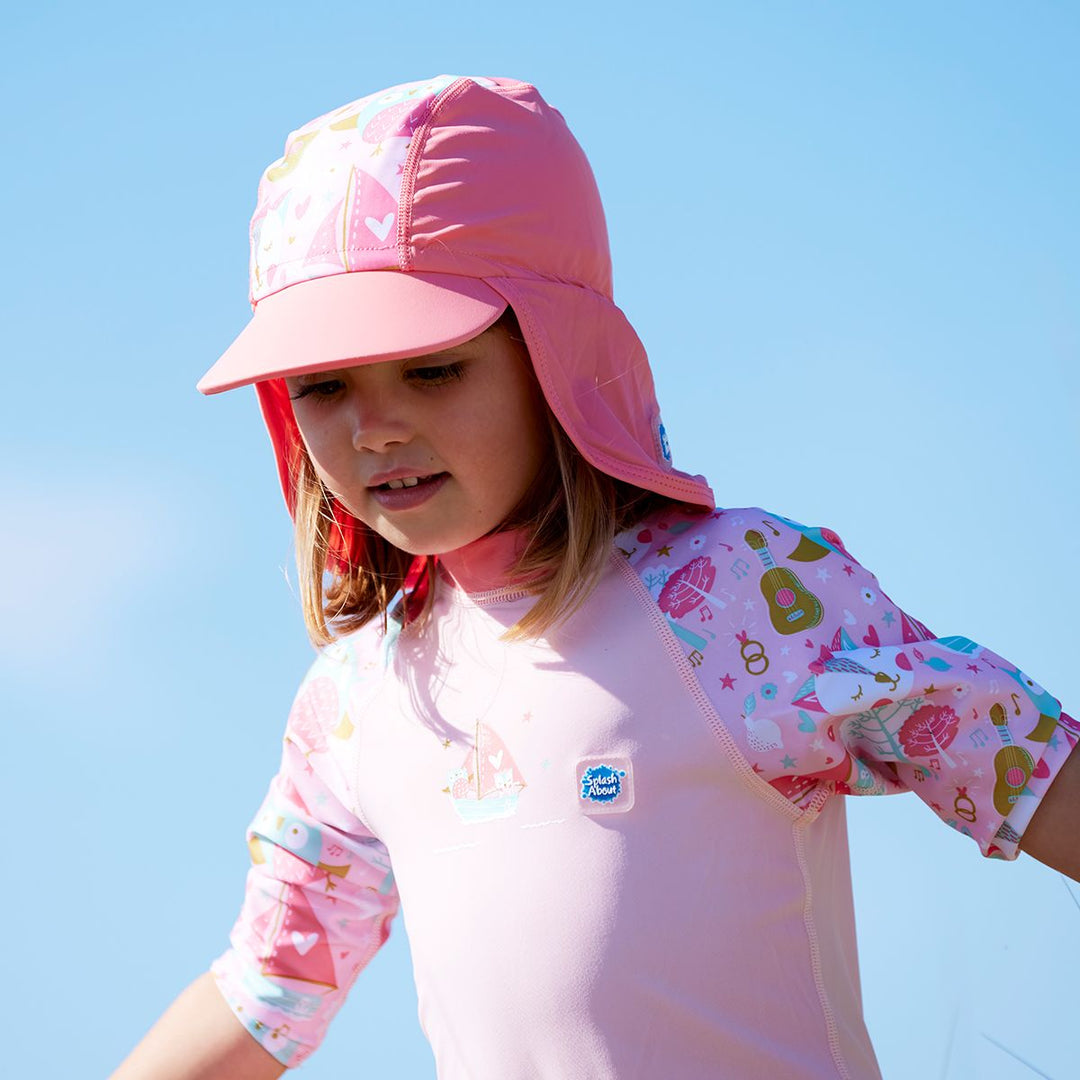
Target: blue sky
846,232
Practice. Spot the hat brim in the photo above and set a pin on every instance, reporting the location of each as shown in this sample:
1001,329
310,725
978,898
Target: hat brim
354,318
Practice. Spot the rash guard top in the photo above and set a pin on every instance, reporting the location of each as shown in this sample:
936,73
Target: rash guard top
619,848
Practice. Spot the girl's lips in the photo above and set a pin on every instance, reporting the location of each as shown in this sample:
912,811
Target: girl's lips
405,498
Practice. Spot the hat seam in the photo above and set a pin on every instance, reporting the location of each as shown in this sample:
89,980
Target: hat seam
412,163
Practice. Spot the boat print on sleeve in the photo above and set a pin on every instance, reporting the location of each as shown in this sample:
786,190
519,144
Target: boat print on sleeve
297,946
487,785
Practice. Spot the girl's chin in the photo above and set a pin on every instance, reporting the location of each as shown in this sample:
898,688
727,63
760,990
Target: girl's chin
425,542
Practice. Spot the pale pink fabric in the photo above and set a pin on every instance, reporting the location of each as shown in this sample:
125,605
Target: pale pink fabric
619,849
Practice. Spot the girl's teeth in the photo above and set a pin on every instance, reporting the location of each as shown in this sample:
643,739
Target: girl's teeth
408,481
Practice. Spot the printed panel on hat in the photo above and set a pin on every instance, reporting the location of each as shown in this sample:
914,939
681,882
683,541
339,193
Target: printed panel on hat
330,204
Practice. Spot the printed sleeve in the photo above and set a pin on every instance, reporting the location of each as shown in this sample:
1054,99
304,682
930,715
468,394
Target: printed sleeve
320,893
973,736
826,686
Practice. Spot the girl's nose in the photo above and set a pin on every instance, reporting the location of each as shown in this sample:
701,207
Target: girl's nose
377,424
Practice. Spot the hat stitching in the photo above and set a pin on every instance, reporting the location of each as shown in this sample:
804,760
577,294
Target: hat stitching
412,163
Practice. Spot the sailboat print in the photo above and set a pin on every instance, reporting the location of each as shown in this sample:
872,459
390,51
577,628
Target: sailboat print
296,943
487,785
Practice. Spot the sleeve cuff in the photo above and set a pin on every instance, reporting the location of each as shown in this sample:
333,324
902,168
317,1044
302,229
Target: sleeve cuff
1006,842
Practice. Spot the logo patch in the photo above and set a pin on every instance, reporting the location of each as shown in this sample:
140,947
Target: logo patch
605,785
663,447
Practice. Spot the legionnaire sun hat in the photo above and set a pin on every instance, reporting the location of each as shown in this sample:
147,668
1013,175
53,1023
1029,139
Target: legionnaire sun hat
406,222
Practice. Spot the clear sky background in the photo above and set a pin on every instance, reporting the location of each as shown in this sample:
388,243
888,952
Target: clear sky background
848,234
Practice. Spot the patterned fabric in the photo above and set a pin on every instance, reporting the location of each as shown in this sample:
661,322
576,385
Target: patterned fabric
827,686
363,144
478,762
320,893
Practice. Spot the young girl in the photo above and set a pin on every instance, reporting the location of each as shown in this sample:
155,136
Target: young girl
587,727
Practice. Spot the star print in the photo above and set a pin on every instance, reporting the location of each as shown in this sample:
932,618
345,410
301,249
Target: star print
665,550
346,144
931,689
727,682
788,761
817,744
977,772
750,605
934,806
823,574
973,667
785,650
546,763
757,767
1052,742
888,618
446,744
527,716
377,151
848,569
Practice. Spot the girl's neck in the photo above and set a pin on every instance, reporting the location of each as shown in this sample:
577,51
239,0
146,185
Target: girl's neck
485,564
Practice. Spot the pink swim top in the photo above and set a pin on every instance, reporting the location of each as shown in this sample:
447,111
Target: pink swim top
619,849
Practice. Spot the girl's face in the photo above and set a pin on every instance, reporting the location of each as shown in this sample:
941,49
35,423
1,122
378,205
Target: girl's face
431,452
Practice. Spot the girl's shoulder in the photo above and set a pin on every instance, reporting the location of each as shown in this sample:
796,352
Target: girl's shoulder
732,538
342,674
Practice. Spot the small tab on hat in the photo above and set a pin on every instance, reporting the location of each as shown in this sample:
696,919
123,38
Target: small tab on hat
663,447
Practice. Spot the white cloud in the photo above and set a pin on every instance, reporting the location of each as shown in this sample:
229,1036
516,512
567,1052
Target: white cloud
75,555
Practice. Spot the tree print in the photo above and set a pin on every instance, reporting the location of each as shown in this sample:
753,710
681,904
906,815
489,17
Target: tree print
689,587
314,705
929,730
873,727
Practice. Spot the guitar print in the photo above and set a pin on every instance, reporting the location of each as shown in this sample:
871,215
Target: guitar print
792,607
1012,764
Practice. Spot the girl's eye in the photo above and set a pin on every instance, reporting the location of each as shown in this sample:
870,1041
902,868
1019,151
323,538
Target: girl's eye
317,390
433,376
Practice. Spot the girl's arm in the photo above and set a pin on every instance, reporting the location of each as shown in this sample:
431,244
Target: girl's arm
197,1038
1053,836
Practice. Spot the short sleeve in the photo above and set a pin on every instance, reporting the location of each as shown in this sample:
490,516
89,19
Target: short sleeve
894,707
826,686
320,893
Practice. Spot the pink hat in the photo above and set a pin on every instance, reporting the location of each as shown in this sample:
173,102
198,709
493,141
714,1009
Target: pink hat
406,222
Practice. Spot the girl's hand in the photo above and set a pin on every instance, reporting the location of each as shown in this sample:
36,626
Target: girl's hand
1053,834
198,1038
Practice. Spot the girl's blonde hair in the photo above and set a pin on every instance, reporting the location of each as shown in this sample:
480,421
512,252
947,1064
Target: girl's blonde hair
571,513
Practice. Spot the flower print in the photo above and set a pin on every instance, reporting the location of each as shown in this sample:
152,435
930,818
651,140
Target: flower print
961,690
697,542
769,690
869,597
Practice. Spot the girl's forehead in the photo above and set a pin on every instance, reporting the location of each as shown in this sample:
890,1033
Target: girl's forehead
489,342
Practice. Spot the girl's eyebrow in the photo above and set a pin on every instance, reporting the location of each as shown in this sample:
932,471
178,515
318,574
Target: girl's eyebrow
443,356
451,353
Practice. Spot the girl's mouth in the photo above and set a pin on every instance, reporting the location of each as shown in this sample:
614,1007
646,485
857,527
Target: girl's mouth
409,491
407,482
